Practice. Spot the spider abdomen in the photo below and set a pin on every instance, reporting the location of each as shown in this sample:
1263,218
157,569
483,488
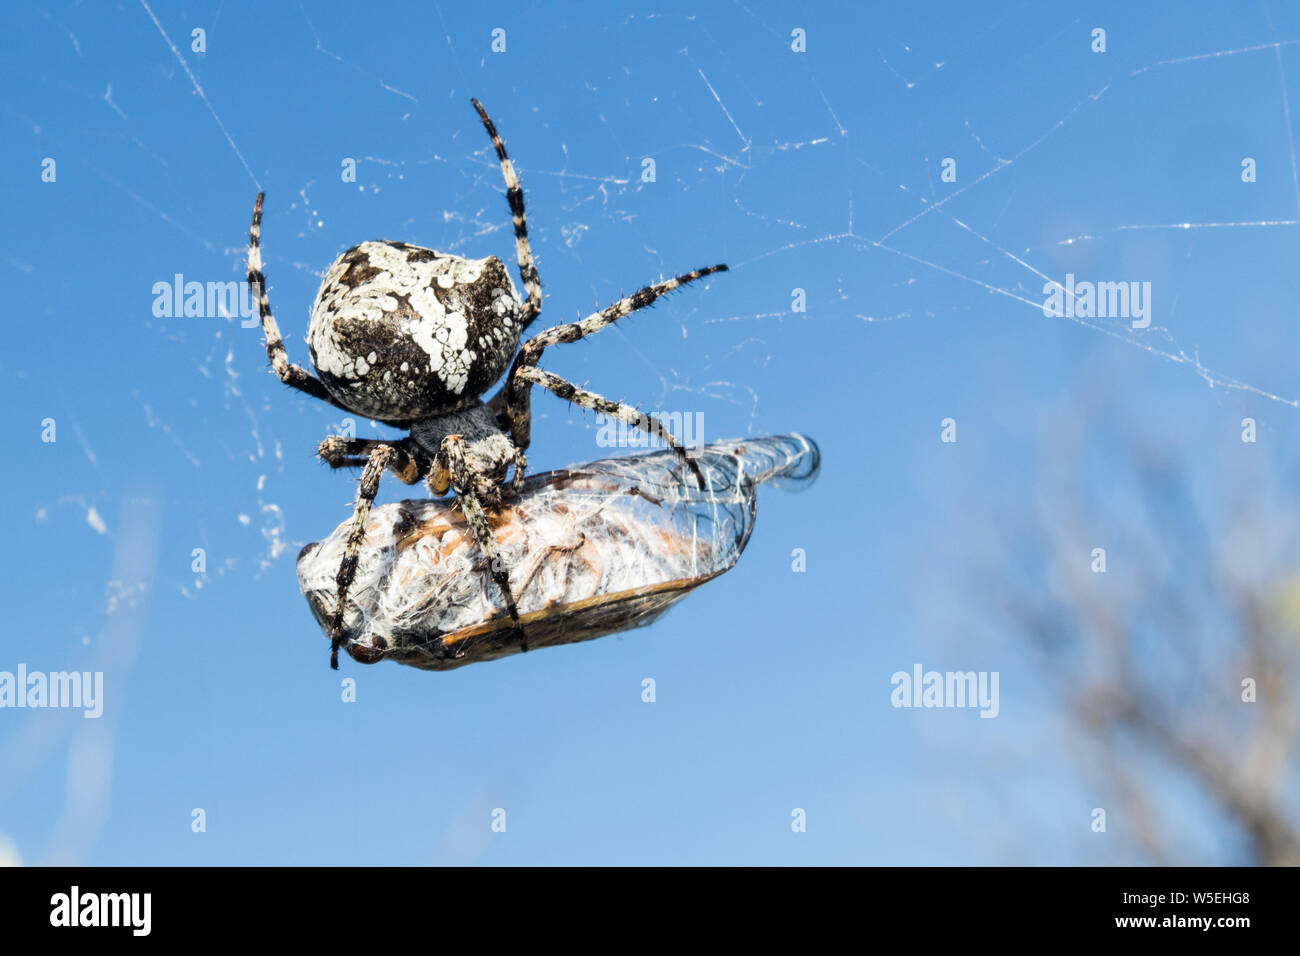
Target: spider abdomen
399,332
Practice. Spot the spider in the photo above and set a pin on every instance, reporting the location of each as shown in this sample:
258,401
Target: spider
414,338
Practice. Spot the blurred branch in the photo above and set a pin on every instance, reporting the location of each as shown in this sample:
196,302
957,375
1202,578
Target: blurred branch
1148,659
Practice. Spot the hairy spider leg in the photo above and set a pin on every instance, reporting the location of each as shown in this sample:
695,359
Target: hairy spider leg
515,196
622,411
292,375
339,452
518,406
454,468
381,456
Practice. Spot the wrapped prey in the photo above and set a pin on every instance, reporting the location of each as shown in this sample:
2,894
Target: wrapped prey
590,550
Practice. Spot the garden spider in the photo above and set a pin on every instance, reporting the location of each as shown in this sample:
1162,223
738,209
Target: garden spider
413,338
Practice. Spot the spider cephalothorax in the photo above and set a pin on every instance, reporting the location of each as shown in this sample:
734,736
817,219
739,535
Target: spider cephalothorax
414,338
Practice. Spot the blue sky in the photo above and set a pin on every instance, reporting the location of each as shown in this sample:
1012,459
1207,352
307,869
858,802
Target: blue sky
819,171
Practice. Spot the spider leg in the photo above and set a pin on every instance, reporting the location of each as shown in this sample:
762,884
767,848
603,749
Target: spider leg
339,452
292,375
531,375
513,400
521,466
381,457
347,461
453,466
515,196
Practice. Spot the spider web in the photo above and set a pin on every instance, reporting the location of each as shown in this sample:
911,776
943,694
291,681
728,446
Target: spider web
582,191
